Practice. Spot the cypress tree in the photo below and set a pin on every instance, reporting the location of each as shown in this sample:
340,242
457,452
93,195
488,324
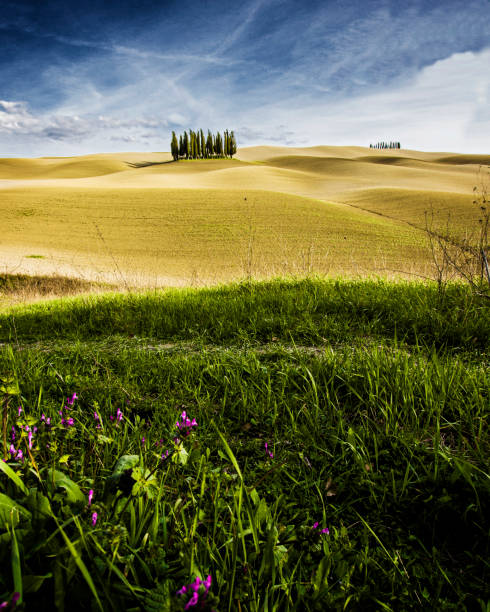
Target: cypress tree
186,145
181,146
193,146
209,145
232,144
203,146
226,143
218,145
174,147
198,145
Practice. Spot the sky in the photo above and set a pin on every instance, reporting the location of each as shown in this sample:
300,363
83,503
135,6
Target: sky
107,75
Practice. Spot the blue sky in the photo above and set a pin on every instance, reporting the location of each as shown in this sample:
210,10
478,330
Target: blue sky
102,76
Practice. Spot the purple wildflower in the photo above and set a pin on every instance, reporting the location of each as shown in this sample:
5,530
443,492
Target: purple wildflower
165,455
185,424
29,435
325,530
19,410
13,433
193,601
90,496
94,519
119,415
198,594
13,602
70,401
67,422
269,453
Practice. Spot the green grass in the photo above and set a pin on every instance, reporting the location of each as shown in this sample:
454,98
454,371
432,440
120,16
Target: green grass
373,398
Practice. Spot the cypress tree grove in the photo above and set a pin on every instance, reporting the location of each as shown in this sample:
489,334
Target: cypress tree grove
193,145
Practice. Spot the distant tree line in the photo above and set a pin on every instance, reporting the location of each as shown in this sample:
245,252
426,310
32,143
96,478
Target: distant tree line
193,145
385,145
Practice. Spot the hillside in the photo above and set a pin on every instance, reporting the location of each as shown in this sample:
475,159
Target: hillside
140,218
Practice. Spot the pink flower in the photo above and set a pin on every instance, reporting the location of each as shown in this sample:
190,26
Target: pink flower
207,583
29,435
315,525
119,415
143,440
193,601
185,424
19,411
71,400
90,496
325,530
94,519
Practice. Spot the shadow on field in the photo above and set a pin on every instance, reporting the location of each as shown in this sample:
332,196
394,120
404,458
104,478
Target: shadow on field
146,164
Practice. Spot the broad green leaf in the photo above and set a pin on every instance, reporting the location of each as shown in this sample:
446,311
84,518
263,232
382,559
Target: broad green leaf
32,584
180,455
81,565
16,567
124,466
38,504
124,463
11,513
4,467
59,480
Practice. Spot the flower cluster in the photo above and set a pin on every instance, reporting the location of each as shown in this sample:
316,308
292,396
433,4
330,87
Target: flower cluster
198,594
325,530
185,424
16,454
68,422
119,416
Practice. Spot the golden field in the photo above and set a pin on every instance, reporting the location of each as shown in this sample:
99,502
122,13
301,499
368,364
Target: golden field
139,219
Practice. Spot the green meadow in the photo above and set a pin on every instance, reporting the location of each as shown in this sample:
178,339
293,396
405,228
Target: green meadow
300,444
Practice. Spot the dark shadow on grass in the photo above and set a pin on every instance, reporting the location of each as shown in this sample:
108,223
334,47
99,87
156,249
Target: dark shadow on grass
146,164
